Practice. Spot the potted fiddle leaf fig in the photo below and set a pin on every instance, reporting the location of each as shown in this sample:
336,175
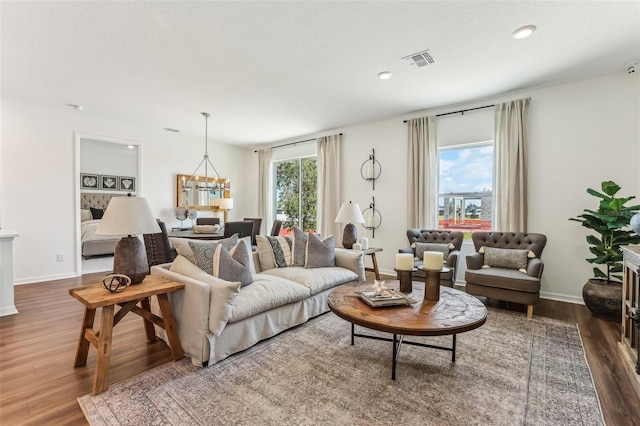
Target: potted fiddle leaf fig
610,223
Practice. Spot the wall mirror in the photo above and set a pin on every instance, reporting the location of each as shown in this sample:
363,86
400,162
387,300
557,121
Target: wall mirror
198,192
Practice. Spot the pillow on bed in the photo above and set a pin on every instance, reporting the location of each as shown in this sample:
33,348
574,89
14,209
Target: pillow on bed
85,214
96,213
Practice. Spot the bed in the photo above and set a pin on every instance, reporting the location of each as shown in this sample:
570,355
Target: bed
92,204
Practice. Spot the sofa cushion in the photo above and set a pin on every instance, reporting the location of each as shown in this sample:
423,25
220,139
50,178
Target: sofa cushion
299,247
266,292
503,278
203,251
233,265
222,297
420,248
320,253
316,279
506,258
274,252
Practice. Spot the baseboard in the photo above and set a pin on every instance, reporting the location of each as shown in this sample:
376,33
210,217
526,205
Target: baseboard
33,280
8,310
562,297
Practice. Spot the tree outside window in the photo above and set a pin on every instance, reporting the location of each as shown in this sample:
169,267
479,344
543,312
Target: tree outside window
296,194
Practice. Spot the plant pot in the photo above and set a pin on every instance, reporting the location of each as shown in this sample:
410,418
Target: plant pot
603,298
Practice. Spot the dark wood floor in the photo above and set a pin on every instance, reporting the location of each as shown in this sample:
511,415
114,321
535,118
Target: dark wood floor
39,386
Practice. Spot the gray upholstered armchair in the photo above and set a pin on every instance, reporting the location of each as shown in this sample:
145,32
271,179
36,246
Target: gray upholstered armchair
506,266
449,242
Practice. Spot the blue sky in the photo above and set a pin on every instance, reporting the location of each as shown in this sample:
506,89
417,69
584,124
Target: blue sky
466,170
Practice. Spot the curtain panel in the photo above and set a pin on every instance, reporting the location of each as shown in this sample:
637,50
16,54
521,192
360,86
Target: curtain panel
422,174
329,186
265,198
511,187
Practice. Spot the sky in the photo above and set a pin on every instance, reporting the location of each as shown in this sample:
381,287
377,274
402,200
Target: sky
466,170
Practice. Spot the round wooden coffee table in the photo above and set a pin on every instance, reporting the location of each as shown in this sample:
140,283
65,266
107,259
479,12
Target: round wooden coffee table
455,312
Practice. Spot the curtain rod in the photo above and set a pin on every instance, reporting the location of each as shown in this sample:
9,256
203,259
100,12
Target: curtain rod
293,143
462,111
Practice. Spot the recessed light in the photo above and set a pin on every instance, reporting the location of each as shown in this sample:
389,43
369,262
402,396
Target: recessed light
169,129
76,107
384,75
524,32
130,146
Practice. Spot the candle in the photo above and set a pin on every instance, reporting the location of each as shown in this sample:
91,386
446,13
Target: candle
357,246
433,260
404,261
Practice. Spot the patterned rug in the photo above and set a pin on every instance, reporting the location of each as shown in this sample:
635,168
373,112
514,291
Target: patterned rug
510,371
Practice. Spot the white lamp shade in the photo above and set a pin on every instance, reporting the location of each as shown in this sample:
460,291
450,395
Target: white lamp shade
128,216
350,213
226,203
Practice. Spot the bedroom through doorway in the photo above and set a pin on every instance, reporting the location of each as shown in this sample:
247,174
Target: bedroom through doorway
106,168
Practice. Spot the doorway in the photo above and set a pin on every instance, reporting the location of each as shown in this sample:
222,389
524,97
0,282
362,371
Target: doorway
106,167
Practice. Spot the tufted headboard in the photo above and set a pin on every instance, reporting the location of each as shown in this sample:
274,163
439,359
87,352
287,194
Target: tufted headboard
97,200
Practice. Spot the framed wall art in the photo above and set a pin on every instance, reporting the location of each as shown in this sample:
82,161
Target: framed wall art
88,181
126,183
108,183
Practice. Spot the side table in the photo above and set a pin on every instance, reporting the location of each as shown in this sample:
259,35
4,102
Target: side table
372,252
95,296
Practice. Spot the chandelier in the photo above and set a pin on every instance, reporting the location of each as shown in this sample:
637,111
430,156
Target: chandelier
195,183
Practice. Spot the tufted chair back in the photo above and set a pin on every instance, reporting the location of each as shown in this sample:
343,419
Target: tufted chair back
436,237
510,240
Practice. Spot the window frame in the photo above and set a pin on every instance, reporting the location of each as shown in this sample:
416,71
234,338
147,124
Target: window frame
457,147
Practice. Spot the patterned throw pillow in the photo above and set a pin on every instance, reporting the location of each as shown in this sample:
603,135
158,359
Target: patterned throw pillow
420,248
279,248
505,258
203,251
299,247
233,265
320,253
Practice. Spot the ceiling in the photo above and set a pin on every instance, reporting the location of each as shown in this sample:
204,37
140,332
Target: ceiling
267,71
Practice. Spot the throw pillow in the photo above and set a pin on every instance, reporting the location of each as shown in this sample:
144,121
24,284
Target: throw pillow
233,265
203,251
299,247
223,293
320,253
96,213
274,252
182,247
420,248
85,214
506,258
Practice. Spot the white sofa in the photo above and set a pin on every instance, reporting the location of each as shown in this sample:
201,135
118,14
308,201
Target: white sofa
277,299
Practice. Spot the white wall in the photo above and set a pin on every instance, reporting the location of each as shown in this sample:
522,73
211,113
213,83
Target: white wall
582,133
39,179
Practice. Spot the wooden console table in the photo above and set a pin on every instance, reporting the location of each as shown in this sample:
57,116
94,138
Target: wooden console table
95,296
630,330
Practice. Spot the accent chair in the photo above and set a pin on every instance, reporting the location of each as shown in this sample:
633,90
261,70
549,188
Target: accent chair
506,266
449,242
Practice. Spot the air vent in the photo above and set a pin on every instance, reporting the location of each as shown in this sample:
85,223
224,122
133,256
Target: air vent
420,59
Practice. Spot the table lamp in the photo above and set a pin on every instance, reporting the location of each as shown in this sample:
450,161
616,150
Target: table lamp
129,216
349,213
225,204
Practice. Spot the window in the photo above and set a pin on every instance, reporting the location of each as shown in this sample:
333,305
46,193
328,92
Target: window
295,193
465,188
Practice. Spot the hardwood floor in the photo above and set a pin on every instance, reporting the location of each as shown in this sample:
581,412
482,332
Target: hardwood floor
39,386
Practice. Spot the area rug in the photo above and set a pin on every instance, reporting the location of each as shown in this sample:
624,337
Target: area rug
510,371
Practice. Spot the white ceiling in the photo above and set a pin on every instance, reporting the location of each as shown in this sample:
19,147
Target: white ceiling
269,71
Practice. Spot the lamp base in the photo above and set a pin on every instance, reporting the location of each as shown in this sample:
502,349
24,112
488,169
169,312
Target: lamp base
349,236
130,259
